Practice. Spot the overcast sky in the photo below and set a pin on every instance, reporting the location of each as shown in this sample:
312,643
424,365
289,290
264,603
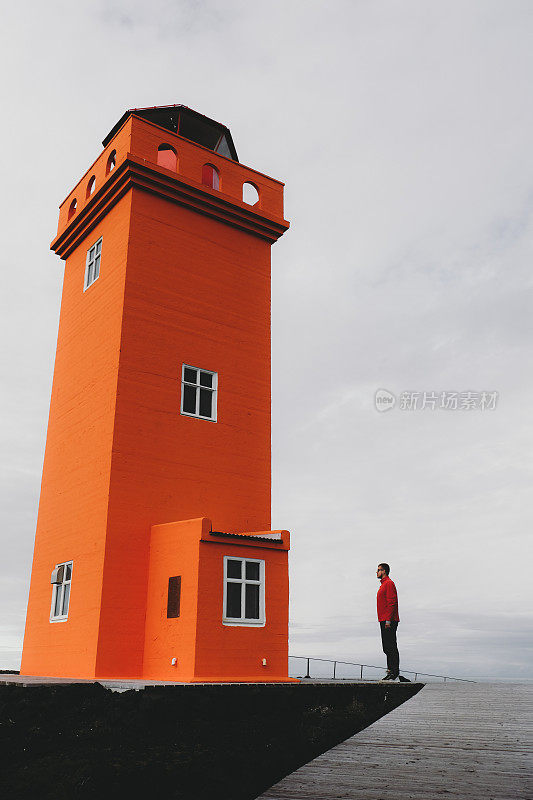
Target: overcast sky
403,130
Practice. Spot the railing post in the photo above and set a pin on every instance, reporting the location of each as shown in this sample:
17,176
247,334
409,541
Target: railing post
445,679
416,676
308,675
361,672
334,669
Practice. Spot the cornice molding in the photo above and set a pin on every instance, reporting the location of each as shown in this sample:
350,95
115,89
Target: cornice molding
134,172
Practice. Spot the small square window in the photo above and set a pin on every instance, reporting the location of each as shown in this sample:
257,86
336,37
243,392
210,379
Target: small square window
189,399
61,581
244,591
199,393
206,403
234,568
252,570
251,605
92,264
233,601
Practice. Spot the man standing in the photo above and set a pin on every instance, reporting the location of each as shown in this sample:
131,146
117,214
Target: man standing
388,620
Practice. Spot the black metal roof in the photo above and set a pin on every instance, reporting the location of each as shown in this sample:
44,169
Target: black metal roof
247,536
187,123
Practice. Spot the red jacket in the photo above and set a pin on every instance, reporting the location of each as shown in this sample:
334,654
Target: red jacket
387,601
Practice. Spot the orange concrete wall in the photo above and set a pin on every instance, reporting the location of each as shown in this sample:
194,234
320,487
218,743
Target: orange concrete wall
146,138
174,550
197,292
73,506
234,652
121,144
142,138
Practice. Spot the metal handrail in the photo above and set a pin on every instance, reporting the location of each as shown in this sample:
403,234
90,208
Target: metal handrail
374,666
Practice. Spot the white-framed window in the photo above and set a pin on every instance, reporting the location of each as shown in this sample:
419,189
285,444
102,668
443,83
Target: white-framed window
244,591
199,392
61,580
92,264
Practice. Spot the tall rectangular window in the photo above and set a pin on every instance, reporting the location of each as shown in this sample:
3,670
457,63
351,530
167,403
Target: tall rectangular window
92,264
199,393
174,596
244,591
61,580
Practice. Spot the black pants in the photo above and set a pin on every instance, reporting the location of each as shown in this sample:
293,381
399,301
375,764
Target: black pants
390,648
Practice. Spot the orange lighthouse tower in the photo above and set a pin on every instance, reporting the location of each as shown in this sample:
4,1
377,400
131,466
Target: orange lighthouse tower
153,554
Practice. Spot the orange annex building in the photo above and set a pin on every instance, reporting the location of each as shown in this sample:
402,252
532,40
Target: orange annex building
153,554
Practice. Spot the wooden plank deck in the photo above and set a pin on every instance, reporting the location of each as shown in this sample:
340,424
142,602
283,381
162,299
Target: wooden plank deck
454,741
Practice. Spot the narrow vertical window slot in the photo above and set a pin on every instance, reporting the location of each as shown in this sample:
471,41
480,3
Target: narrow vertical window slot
174,597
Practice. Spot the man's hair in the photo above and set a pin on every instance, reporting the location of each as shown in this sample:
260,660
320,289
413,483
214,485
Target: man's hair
385,567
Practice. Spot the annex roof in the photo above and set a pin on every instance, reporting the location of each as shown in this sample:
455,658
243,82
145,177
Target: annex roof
272,536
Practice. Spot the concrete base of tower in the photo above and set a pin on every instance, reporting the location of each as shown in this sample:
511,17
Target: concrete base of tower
182,741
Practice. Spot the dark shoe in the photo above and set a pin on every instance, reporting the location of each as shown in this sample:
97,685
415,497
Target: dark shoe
389,677
403,679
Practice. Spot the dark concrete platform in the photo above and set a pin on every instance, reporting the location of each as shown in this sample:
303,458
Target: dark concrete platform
181,741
